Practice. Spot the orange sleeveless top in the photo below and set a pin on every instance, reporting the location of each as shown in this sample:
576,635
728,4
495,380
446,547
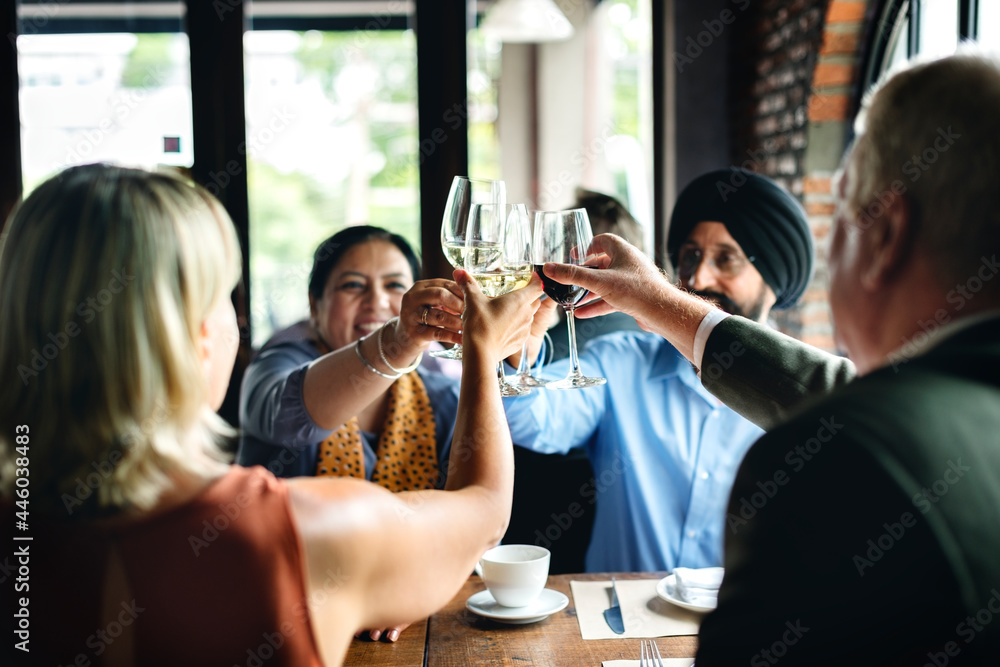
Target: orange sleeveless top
216,581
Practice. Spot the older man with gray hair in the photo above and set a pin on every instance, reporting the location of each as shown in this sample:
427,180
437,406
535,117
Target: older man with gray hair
879,544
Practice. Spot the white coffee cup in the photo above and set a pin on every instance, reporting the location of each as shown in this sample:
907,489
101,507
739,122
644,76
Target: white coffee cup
515,574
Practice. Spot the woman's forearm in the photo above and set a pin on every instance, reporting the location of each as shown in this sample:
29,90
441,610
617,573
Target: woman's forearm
339,385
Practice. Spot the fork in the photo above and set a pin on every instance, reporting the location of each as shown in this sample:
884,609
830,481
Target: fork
649,654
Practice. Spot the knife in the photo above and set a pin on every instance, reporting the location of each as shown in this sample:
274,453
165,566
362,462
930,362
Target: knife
613,614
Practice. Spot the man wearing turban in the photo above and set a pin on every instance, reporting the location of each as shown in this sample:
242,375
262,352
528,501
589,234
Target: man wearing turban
664,450
729,218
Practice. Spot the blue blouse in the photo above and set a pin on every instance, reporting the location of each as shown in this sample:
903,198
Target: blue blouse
277,431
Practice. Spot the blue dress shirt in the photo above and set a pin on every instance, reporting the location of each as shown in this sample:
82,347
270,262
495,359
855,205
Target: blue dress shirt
664,452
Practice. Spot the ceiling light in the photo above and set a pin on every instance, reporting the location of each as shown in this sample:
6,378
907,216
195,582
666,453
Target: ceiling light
526,21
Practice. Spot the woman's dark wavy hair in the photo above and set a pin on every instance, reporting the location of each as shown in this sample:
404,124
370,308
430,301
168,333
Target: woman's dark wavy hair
329,252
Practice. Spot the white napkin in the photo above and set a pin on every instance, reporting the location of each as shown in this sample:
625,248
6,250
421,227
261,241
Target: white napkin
644,613
698,586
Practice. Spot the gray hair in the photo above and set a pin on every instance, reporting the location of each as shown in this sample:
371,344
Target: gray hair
931,132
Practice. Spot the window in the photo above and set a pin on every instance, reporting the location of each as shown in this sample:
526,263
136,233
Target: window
331,142
95,86
603,74
988,18
931,28
937,27
627,30
483,84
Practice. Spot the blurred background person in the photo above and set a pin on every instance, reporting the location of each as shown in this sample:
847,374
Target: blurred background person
607,216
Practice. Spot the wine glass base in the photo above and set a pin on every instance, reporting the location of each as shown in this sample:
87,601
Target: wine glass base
527,381
507,389
576,383
450,353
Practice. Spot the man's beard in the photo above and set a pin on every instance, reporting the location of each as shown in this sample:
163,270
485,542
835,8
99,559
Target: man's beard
752,311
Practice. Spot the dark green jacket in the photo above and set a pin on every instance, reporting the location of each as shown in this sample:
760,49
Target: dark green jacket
766,376
866,529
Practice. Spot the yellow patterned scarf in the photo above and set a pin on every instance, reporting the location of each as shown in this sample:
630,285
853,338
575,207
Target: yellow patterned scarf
406,456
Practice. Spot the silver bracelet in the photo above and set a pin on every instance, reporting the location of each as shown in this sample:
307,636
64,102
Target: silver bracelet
408,369
368,365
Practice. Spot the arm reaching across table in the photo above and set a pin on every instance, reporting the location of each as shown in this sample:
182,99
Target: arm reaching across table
769,375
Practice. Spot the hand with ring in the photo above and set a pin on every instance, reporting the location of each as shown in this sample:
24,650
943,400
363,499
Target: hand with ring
430,310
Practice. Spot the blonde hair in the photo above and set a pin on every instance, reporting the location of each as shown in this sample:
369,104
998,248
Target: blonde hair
106,277
931,130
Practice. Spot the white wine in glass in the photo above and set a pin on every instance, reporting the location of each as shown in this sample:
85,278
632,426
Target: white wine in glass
463,194
498,259
524,377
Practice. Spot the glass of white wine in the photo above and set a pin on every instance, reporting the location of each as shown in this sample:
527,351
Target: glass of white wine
524,377
463,194
498,257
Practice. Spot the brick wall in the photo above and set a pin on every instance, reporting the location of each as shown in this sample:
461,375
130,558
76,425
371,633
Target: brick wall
792,76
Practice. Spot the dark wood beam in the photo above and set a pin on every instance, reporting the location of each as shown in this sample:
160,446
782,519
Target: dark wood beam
662,114
10,114
968,22
442,107
215,31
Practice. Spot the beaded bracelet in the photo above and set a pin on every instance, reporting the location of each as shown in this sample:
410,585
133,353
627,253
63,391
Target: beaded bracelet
368,365
408,369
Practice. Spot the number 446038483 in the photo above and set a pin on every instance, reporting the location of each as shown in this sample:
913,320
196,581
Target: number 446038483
22,443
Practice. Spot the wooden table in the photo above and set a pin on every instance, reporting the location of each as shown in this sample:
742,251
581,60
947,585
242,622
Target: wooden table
407,650
456,636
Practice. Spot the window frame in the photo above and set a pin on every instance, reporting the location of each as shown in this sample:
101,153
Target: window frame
215,32
883,30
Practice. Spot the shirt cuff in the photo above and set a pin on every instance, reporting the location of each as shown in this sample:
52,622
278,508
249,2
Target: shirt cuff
704,331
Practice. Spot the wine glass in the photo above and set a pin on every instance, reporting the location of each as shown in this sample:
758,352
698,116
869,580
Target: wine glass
564,237
463,194
523,377
497,257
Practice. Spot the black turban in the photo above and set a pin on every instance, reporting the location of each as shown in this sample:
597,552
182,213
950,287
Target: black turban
765,220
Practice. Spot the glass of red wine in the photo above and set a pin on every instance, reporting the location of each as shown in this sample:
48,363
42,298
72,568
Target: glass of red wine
564,237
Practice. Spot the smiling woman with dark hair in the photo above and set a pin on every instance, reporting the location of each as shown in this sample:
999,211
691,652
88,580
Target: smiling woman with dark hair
346,396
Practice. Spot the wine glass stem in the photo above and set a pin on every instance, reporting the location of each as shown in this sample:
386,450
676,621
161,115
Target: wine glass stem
501,376
574,359
522,366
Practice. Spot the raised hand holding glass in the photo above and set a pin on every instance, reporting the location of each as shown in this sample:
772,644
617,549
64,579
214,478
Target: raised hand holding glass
497,258
463,194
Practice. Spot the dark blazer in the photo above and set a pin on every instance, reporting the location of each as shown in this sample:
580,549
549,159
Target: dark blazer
865,530
767,376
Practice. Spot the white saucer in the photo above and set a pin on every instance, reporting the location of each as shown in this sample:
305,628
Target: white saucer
665,591
548,603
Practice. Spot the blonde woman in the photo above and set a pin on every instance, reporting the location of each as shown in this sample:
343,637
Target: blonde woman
147,547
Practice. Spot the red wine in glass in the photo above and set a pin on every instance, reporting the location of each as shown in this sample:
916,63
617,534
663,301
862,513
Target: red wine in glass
564,295
564,237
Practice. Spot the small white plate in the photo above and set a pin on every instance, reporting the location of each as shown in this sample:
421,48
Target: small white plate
665,591
548,603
